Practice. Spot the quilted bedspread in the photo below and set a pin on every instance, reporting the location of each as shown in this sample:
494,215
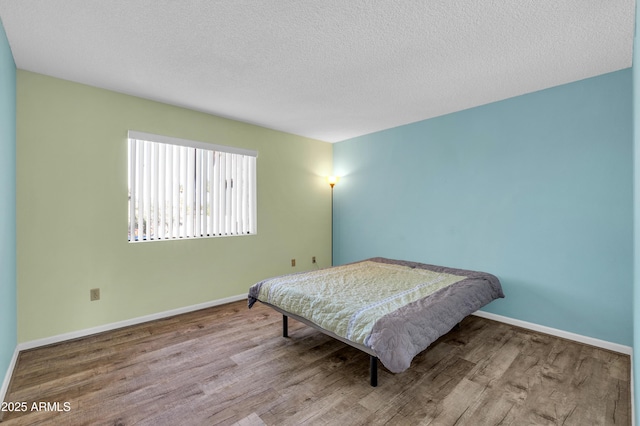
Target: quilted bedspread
396,308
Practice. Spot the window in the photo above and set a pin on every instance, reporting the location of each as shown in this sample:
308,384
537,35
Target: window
186,189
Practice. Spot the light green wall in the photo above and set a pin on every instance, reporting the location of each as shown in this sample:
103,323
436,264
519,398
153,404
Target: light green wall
72,210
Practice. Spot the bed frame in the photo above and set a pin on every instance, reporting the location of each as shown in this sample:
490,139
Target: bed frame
474,290
373,359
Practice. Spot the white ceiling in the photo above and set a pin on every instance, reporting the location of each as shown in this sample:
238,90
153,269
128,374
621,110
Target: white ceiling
325,69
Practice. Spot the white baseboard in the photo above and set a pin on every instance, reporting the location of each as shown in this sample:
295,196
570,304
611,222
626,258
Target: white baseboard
627,350
615,347
7,376
133,321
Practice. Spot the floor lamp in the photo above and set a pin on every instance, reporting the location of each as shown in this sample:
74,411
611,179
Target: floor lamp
332,182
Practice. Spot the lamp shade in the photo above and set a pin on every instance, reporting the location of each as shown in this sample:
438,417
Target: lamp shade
333,180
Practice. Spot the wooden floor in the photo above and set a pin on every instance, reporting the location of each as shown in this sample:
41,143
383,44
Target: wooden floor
230,365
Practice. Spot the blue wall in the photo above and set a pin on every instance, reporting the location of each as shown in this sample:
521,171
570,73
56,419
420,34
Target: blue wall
8,327
535,189
636,210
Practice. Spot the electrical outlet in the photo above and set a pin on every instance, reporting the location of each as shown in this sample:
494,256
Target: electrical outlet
293,263
94,294
313,259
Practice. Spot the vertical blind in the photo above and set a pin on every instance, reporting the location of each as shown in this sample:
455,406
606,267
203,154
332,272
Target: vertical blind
188,189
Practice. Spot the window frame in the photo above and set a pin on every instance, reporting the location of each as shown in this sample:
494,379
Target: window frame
238,190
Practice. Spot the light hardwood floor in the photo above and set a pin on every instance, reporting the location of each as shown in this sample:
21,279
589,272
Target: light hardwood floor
230,365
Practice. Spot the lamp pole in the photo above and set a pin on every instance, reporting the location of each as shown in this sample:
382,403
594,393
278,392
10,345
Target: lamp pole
332,182
332,185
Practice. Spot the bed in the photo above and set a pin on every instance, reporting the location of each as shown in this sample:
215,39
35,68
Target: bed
390,309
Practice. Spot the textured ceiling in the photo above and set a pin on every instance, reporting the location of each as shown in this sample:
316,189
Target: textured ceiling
325,69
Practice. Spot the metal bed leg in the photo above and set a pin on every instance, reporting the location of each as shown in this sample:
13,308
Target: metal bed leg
373,370
285,326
